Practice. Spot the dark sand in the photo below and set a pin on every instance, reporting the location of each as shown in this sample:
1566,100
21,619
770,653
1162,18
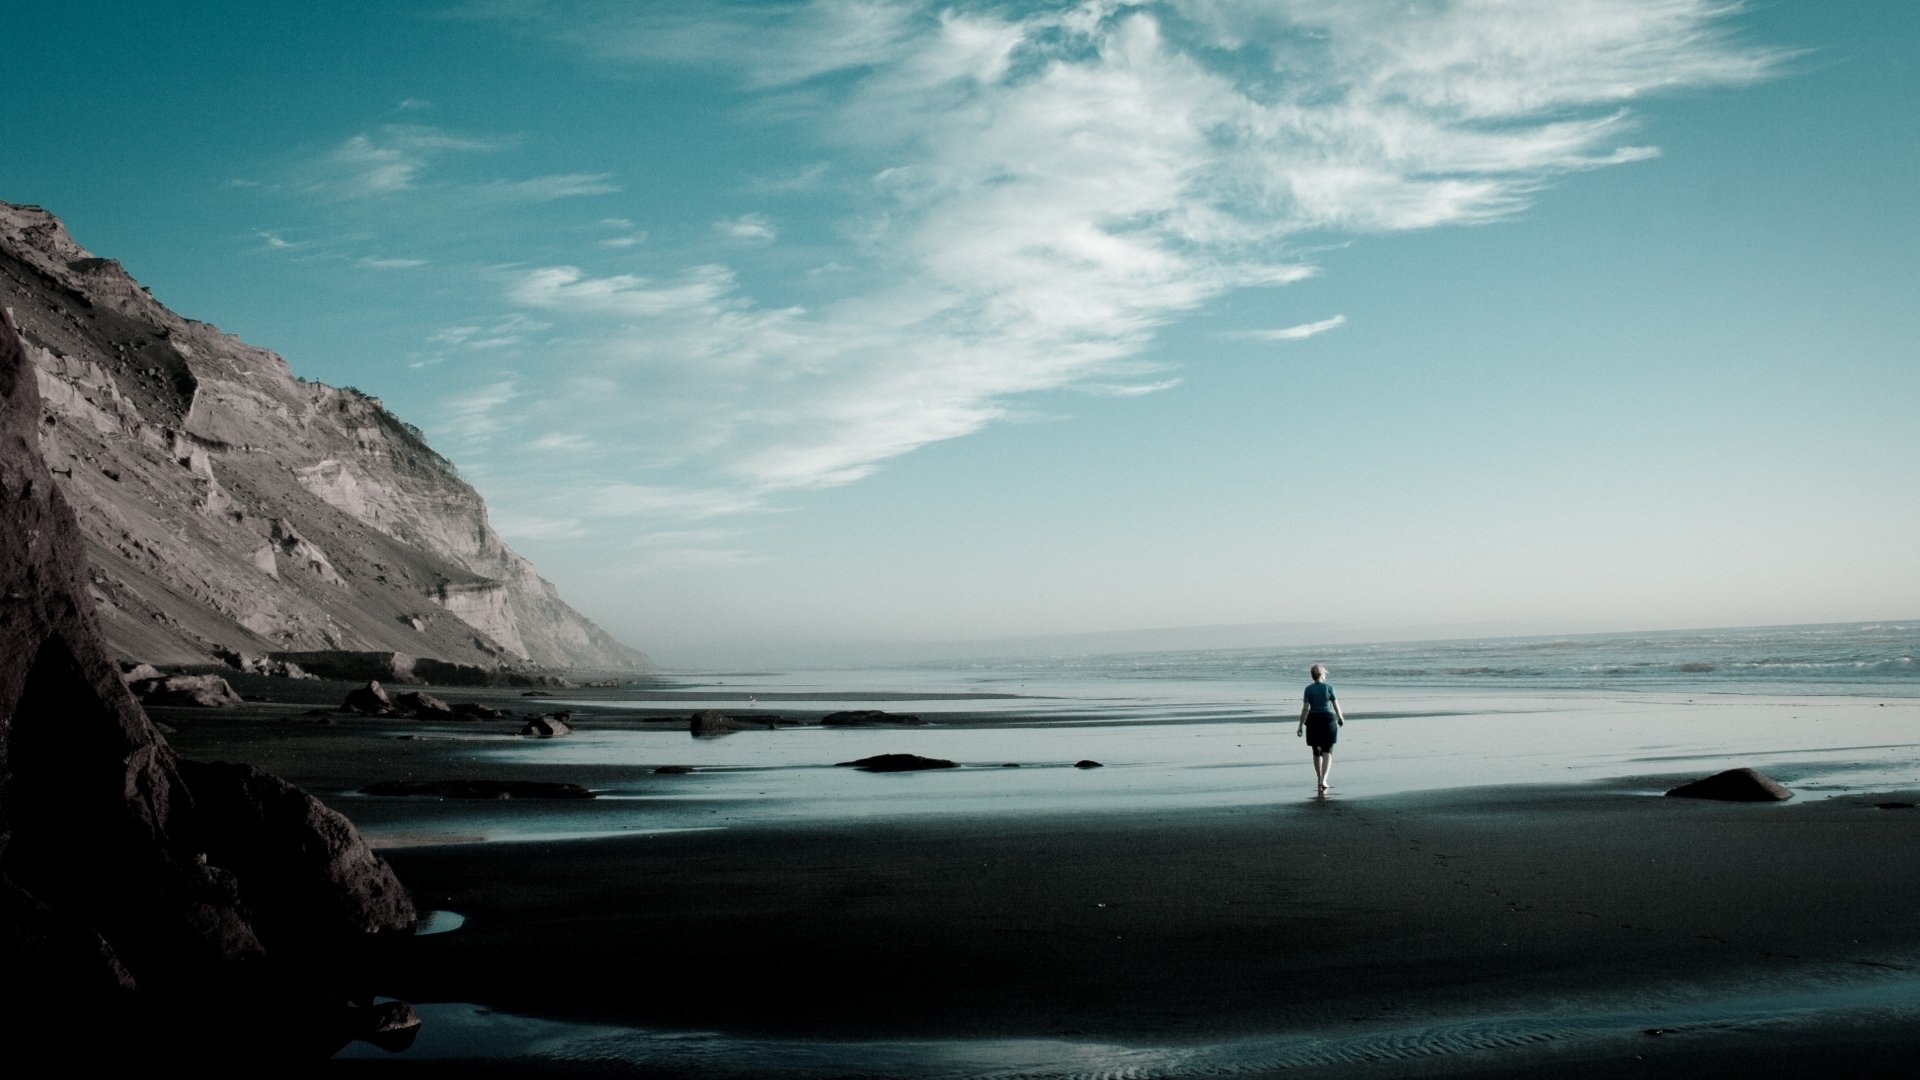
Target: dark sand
1576,930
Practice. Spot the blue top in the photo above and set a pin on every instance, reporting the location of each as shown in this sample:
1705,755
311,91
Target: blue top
1320,699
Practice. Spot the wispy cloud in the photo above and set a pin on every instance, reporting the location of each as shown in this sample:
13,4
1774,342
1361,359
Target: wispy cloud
1046,189
747,227
1295,333
376,263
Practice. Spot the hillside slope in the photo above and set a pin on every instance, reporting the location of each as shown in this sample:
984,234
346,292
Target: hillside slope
230,505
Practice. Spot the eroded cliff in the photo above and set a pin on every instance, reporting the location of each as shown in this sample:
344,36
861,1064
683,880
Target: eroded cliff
228,505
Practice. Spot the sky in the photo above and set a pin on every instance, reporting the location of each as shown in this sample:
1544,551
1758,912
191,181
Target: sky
777,332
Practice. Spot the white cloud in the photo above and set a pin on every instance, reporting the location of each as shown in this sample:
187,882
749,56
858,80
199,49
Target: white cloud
1049,188
747,227
275,241
548,188
477,412
564,442
1296,333
374,263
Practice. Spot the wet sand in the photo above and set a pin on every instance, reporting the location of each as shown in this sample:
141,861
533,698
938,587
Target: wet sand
1579,929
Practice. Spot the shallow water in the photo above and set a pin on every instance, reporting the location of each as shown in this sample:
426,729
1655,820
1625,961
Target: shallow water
1153,758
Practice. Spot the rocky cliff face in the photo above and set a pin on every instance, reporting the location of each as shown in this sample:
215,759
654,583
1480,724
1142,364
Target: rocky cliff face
228,505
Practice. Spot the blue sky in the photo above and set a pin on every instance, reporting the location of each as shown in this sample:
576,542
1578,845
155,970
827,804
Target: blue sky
772,329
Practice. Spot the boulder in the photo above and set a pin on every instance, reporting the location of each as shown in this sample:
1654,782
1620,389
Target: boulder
546,727
869,718
133,673
422,706
898,763
369,700
389,1025
197,691
714,722
1734,785
1088,763
470,710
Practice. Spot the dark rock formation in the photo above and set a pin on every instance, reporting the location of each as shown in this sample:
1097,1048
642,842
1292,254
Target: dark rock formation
368,700
229,505
198,691
715,722
674,770
422,706
1734,785
548,726
898,763
134,924
480,789
1088,763
473,710
869,718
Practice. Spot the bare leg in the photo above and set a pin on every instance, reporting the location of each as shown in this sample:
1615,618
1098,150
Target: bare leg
1326,766
1319,771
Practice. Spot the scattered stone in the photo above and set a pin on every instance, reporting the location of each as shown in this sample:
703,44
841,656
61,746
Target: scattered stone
471,710
1088,763
714,722
869,718
197,691
897,763
368,700
480,789
389,1025
1734,785
535,693
422,706
133,673
546,727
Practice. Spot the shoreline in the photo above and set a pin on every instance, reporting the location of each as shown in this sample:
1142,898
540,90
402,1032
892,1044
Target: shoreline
1457,931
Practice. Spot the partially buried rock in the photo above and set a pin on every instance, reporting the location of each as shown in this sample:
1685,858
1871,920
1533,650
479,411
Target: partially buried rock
674,770
1734,785
869,718
546,727
473,710
480,789
198,691
389,1025
898,763
1088,763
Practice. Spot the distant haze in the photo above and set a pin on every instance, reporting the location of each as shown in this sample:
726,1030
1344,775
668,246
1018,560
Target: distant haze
842,328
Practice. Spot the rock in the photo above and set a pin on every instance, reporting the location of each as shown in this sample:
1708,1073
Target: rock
1734,785
469,710
389,1025
480,789
897,763
302,867
133,673
1088,763
422,706
869,718
198,691
368,700
674,770
120,936
713,722
546,727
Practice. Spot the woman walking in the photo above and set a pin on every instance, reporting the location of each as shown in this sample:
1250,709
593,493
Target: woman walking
1320,722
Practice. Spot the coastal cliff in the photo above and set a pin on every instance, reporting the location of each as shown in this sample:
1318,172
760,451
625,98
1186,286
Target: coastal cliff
231,507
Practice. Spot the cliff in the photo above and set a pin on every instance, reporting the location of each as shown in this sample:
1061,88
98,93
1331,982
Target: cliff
228,505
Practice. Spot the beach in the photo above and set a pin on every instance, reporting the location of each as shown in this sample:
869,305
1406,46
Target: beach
1459,906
